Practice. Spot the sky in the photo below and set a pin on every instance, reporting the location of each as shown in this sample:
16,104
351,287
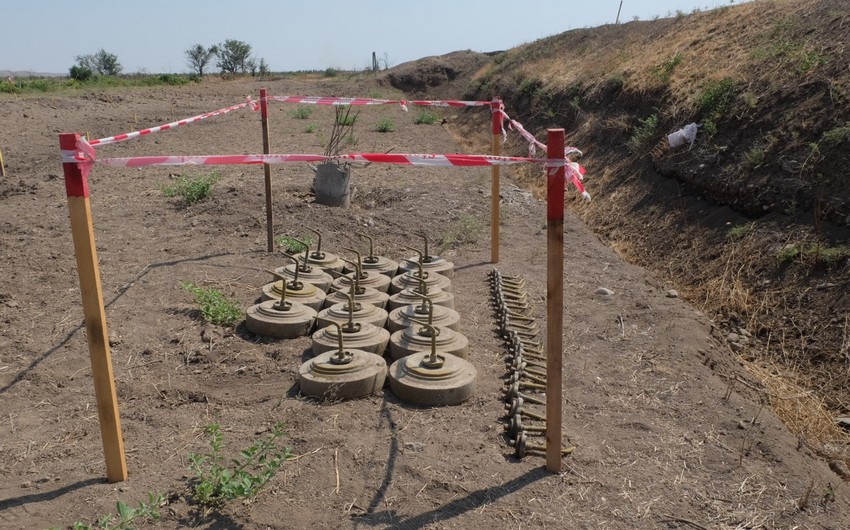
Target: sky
152,36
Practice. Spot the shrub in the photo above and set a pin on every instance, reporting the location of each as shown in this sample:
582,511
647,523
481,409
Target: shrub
664,70
311,128
214,306
192,190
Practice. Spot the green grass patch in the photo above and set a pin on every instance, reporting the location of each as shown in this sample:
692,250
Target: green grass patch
665,70
194,189
384,126
837,135
215,308
739,232
311,128
347,120
465,230
426,117
301,112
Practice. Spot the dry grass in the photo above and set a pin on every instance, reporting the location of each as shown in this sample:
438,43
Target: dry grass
801,410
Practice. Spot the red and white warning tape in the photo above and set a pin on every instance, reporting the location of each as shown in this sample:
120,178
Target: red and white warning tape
172,125
331,100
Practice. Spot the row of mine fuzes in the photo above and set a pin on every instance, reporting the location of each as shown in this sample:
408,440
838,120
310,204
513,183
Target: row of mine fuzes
355,326
525,363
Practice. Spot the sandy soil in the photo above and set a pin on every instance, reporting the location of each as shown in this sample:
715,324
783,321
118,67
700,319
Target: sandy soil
667,431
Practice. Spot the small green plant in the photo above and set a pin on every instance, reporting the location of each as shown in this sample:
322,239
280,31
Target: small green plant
350,140
643,133
301,112
214,306
789,252
754,156
194,189
465,230
714,102
426,117
310,129
291,245
346,119
331,72
384,126
664,70
530,87
837,135
126,515
219,480
738,232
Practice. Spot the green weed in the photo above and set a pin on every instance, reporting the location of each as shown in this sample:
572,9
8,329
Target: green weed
311,128
215,308
665,70
291,245
346,119
426,117
738,232
754,156
465,230
192,190
714,102
301,112
837,135
218,480
384,126
789,252
146,511
643,133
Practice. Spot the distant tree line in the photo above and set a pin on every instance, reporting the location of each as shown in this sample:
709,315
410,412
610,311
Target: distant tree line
232,57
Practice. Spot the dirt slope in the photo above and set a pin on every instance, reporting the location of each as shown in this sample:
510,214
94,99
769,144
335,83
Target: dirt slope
751,223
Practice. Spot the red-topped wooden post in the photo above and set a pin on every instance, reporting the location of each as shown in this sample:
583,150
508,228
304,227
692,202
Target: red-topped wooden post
555,183
496,110
82,231
264,113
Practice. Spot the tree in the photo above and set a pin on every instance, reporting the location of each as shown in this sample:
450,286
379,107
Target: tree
263,67
107,63
233,56
199,57
101,63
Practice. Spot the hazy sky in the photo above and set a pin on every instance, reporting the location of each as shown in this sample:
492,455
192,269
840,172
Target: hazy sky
152,35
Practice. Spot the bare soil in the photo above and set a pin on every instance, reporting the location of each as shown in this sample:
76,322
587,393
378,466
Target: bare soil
668,429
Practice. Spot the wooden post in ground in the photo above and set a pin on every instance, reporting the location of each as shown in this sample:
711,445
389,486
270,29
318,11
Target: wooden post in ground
496,108
267,170
2,165
94,313
555,177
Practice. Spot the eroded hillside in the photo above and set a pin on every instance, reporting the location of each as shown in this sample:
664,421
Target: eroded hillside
751,222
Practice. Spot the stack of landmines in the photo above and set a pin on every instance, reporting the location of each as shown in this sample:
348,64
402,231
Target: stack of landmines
525,362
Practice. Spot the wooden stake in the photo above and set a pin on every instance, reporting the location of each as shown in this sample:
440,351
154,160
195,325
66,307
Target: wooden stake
82,231
495,107
267,170
555,177
2,165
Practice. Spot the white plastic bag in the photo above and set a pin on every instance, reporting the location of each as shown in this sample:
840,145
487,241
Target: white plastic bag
686,134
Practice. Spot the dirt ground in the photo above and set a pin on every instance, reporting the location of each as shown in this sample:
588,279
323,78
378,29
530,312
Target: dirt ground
667,430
